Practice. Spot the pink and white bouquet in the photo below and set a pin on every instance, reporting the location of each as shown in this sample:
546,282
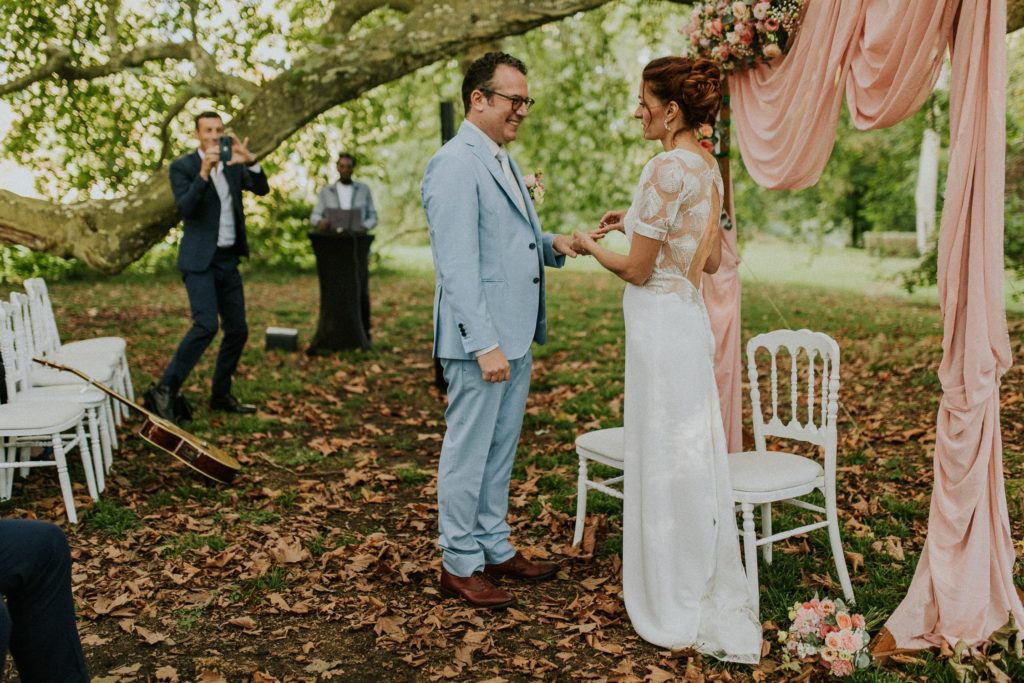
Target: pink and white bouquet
828,631
744,33
535,186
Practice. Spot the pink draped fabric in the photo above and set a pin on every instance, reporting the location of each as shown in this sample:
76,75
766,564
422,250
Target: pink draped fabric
722,299
885,55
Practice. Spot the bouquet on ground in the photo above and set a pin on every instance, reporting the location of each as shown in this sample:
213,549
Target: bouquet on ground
828,631
742,34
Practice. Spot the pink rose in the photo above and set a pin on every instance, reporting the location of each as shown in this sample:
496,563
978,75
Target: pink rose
858,620
841,667
771,24
709,10
772,50
722,52
849,641
740,10
828,607
761,10
704,42
843,621
747,37
715,27
707,144
833,640
706,130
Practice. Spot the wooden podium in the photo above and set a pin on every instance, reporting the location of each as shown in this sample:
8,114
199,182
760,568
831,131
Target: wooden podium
342,265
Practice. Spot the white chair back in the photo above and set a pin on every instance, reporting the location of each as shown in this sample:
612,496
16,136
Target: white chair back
813,388
45,336
7,353
15,345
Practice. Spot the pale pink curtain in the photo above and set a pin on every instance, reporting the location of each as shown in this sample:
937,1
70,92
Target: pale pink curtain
722,299
885,56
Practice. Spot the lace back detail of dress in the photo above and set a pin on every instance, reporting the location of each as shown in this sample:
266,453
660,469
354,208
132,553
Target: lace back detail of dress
673,204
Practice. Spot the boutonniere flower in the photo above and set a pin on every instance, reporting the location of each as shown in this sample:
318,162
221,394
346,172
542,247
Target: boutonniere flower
535,186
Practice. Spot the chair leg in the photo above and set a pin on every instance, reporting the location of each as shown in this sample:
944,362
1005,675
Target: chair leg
24,455
837,546
96,449
83,450
581,502
766,531
64,478
750,555
129,388
107,437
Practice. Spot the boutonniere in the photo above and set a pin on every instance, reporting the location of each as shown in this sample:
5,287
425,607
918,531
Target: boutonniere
535,186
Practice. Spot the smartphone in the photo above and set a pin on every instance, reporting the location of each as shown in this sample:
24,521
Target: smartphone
225,148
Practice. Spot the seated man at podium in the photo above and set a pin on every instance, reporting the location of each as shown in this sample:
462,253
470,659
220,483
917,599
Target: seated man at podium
345,205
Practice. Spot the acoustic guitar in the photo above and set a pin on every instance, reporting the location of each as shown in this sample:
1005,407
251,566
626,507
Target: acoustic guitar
199,454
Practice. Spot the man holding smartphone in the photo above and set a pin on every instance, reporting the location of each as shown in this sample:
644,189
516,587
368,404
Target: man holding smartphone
207,188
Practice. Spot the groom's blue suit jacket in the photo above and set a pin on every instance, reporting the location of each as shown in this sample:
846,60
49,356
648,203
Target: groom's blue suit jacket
489,255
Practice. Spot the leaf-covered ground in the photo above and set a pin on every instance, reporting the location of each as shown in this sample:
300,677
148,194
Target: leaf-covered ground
321,562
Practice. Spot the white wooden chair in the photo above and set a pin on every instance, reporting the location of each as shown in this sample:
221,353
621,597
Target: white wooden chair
53,424
111,351
16,363
762,477
603,446
103,370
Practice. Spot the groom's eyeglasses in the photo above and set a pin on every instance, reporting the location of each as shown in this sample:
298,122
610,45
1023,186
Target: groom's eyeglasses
516,100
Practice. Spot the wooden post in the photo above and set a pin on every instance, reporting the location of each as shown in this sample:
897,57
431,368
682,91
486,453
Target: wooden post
725,124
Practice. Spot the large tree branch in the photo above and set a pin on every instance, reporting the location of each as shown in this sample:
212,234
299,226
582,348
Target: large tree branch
59,62
1015,15
347,12
110,234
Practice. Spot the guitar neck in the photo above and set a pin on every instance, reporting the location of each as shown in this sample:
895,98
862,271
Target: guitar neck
98,385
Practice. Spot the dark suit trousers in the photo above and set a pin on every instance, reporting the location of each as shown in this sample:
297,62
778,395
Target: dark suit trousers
212,293
38,620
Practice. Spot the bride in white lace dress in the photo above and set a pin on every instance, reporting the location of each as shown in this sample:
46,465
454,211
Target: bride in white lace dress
683,581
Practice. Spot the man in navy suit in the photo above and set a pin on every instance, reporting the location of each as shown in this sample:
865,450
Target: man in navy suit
208,193
489,308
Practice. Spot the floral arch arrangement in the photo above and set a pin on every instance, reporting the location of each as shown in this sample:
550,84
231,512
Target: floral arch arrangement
742,34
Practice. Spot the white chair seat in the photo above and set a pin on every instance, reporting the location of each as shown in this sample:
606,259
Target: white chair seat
76,393
48,377
77,355
758,472
39,416
114,345
603,443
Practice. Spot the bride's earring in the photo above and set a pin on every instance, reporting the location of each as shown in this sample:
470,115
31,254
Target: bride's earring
668,128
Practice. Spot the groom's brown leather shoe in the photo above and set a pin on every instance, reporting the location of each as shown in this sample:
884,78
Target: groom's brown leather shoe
518,567
478,590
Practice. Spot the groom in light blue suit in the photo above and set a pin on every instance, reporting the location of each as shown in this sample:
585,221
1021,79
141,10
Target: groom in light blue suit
489,257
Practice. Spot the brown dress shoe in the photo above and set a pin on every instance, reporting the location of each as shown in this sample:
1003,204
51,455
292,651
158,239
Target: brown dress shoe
518,567
478,590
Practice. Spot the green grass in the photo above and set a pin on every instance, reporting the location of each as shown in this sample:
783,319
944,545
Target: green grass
109,518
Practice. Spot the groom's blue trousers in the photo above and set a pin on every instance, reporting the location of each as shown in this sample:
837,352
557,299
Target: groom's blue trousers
484,420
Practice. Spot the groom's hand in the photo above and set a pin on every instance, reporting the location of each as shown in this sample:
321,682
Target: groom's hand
494,366
563,245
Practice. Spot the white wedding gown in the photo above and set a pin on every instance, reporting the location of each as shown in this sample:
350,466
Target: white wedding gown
683,582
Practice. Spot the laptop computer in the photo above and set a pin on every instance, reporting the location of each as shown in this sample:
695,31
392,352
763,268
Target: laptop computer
349,221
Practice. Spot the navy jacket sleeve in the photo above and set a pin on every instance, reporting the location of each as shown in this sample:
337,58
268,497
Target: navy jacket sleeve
188,187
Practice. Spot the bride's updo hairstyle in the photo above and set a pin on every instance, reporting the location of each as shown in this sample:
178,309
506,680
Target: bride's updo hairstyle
694,84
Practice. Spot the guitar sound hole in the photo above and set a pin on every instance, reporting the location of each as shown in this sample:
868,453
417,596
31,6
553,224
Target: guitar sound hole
162,438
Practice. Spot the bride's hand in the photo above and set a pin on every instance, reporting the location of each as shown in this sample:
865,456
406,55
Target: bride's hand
612,220
582,242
